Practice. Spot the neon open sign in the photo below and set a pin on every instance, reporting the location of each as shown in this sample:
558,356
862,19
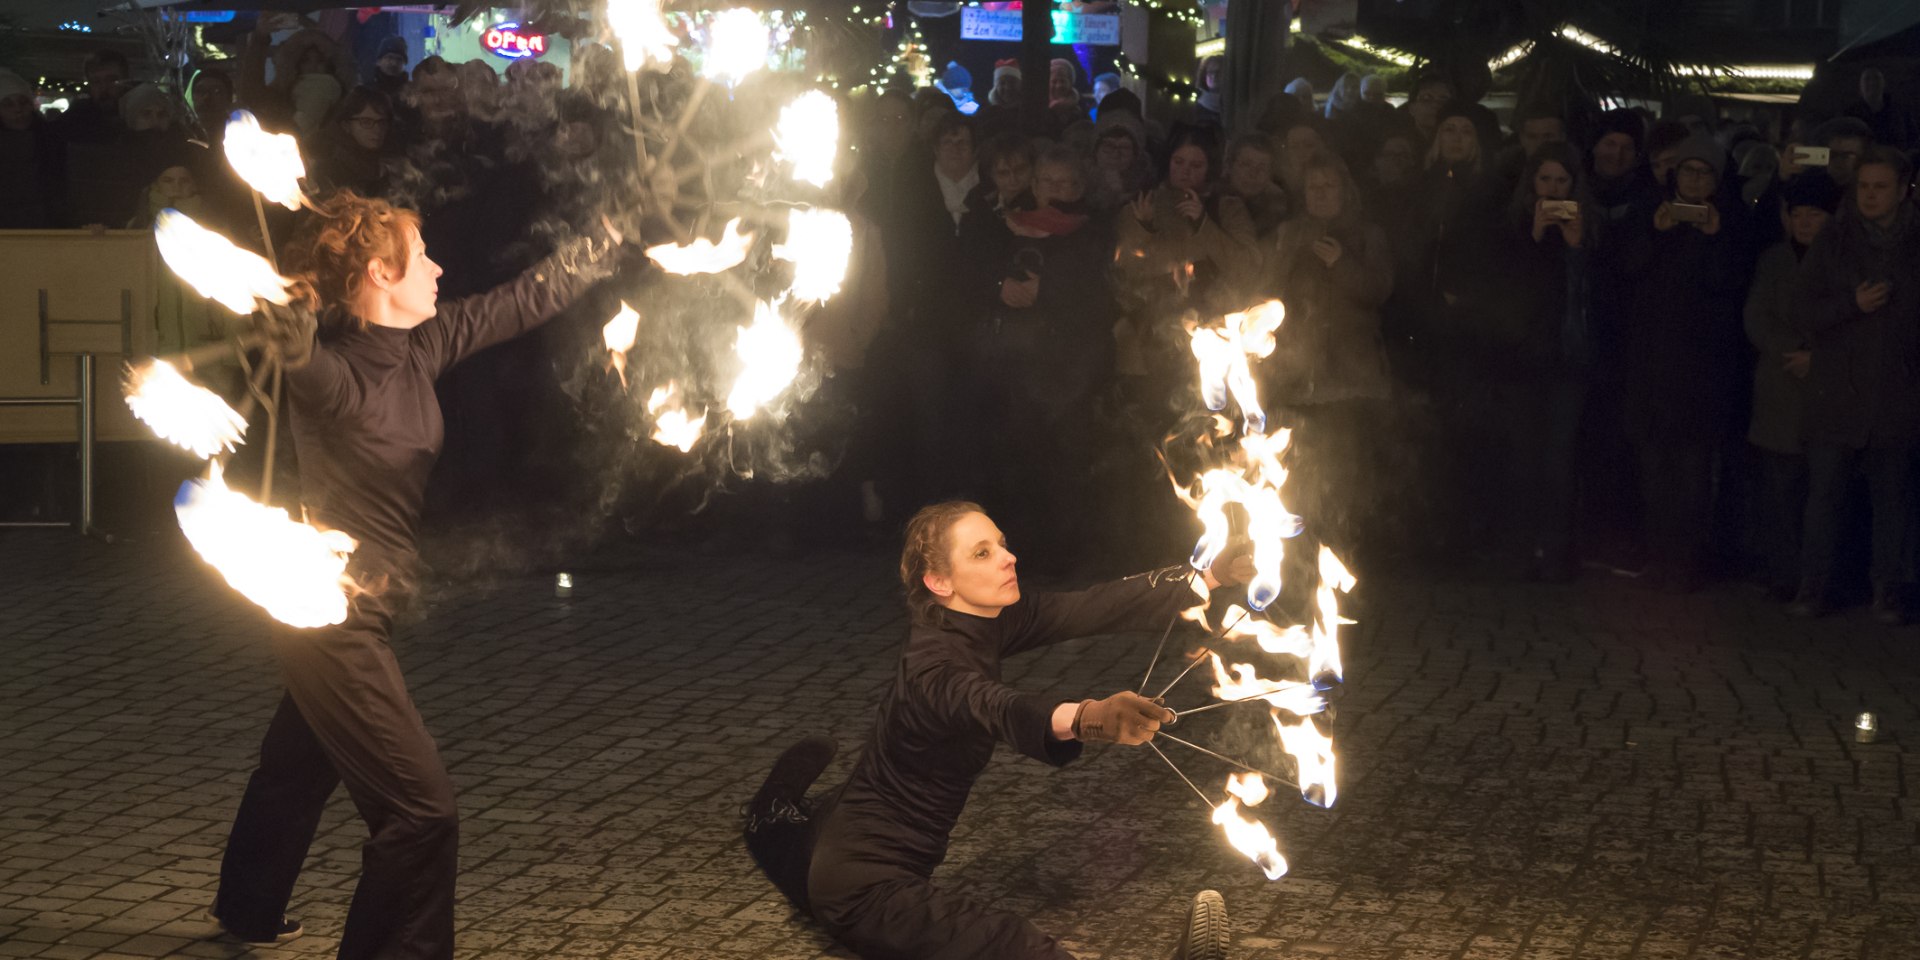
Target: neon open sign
507,40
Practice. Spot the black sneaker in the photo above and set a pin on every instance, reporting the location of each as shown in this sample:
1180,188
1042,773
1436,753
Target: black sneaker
779,798
1207,933
290,929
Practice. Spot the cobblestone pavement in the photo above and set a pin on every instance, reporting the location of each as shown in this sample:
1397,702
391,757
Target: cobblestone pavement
1527,772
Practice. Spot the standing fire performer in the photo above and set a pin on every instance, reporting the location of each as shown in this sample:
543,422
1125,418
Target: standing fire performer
367,427
860,859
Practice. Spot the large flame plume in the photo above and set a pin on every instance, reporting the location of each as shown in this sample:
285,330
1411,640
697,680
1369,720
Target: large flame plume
211,264
295,571
770,354
1244,479
808,136
703,255
269,162
819,244
181,412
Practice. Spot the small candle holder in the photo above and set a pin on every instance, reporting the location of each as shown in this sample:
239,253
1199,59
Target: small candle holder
563,585
1866,726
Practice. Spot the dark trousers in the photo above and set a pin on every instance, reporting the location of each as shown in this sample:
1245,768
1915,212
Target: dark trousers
347,718
1782,511
883,910
1676,481
1889,470
1544,418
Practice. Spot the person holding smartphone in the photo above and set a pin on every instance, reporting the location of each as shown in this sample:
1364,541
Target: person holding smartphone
1538,344
1858,302
1684,356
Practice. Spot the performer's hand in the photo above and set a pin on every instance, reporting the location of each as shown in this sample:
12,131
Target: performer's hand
1234,566
289,332
1126,717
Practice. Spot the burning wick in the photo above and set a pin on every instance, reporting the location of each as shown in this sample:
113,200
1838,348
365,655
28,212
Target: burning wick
295,571
808,136
770,354
819,243
737,45
1251,837
671,425
703,255
618,334
182,413
269,162
211,264
642,30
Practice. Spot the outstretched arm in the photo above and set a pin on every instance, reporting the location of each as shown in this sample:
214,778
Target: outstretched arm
464,327
1139,602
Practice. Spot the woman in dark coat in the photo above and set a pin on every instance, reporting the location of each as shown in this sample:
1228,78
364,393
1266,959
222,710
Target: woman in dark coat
1684,356
861,858
1538,346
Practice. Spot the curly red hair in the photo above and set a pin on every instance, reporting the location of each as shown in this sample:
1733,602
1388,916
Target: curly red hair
328,256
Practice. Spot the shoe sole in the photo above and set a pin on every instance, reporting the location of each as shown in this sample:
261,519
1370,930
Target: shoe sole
278,940
1208,933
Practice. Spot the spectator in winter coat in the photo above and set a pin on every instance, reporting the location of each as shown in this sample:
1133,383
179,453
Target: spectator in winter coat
1683,356
1543,248
1858,302
1332,269
31,160
1779,379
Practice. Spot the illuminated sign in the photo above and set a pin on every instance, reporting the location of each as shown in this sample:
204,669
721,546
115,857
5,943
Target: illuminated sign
506,40
1098,29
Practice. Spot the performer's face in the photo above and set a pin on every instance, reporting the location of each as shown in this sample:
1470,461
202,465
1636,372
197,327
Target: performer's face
410,295
979,578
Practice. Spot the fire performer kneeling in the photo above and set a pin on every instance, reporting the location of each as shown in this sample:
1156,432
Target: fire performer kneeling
860,858
367,428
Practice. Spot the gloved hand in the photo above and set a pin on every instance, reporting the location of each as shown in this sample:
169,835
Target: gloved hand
1126,717
289,331
1234,565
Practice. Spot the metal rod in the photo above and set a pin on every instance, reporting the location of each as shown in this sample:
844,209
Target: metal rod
639,146
1183,674
1226,759
273,435
1162,645
1224,703
1202,649
188,359
266,239
84,373
1202,794
38,401
686,116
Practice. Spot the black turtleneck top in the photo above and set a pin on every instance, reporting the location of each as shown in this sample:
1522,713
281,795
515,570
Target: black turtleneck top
366,424
947,709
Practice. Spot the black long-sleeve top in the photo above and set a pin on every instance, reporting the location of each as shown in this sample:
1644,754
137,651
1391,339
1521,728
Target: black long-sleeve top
366,423
948,709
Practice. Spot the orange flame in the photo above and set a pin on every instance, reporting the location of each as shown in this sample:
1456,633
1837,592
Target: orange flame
1251,838
618,335
703,255
211,264
1248,788
672,427
1312,753
269,162
295,571
181,412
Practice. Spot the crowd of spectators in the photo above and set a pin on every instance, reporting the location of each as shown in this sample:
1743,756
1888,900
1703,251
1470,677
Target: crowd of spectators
1665,343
